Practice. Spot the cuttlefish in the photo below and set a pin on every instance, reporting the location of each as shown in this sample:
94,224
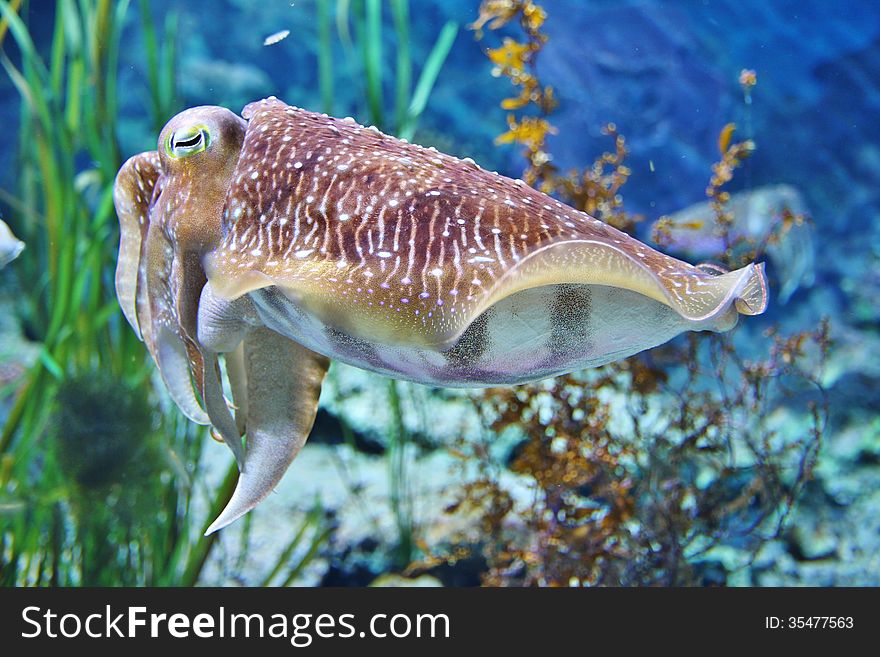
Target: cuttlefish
283,238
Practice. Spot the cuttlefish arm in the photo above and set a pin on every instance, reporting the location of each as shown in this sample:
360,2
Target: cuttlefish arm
144,281
283,386
236,373
132,194
277,382
158,287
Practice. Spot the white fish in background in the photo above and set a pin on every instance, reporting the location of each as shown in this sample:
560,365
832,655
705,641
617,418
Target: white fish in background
10,246
275,38
756,213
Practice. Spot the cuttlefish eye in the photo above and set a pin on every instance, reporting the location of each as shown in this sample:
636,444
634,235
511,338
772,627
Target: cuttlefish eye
187,141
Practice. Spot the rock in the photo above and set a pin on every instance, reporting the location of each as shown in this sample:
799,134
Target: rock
812,543
395,580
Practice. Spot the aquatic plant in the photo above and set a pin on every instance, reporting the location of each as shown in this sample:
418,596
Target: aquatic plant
593,190
56,533
644,471
364,54
87,494
65,213
641,473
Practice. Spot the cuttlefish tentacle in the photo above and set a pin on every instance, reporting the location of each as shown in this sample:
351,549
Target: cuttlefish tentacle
184,225
146,278
159,278
222,327
218,409
187,272
283,385
275,385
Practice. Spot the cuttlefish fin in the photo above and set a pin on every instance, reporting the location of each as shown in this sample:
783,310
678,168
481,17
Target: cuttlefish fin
751,297
748,286
132,193
705,298
283,385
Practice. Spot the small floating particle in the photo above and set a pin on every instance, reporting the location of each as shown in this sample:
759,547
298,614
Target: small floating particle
275,38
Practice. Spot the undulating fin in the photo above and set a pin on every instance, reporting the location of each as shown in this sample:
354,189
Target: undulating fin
132,194
712,268
751,298
283,386
700,295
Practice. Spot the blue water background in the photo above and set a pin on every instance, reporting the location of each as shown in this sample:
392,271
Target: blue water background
666,73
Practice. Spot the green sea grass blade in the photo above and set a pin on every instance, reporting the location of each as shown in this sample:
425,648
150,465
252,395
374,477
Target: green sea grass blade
318,540
428,77
168,68
199,555
325,57
311,520
400,10
343,9
372,54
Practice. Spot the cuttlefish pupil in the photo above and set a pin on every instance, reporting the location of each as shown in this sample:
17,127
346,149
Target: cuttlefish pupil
186,141
295,238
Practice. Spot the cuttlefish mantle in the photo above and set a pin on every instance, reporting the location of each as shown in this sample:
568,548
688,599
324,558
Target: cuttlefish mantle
283,238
